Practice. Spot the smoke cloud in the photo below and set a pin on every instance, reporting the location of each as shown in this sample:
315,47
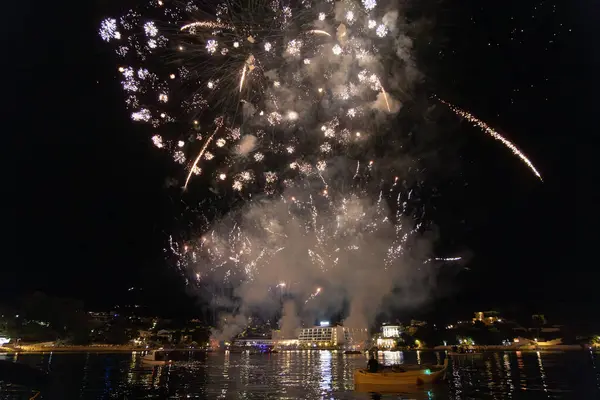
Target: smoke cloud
325,245
229,326
321,231
335,255
386,103
247,144
312,253
290,321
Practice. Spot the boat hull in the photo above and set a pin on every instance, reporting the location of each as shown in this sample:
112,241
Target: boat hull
410,377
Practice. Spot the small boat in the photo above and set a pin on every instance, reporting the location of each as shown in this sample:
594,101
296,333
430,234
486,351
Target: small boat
404,375
150,359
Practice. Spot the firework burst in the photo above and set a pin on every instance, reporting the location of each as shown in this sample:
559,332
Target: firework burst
267,68
304,96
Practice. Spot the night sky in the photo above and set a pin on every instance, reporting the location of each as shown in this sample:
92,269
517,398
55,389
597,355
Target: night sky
88,214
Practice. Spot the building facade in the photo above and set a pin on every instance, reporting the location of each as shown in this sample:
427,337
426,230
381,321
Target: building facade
253,342
321,336
325,336
391,331
389,336
487,317
355,338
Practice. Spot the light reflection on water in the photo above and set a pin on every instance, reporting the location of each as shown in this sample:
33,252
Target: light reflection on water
308,375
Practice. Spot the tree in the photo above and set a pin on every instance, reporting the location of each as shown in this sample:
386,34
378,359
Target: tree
538,320
49,318
120,331
408,340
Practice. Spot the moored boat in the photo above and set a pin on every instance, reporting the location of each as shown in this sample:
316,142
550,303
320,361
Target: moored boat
404,375
150,359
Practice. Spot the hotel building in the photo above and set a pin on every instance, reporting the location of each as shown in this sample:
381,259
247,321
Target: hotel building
326,336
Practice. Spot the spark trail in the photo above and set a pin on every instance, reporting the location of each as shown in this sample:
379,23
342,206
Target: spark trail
493,133
194,166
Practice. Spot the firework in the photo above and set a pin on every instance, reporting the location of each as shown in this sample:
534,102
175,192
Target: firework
318,32
313,295
240,62
494,134
205,25
219,123
306,240
443,259
299,91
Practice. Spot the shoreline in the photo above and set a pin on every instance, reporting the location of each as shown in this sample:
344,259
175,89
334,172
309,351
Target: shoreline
130,349
71,349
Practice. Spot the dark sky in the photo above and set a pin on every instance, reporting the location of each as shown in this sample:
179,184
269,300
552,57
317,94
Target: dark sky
87,212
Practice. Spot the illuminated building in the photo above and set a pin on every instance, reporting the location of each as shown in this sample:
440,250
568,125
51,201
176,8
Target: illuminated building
102,317
391,331
355,337
386,343
256,342
487,317
287,343
389,336
321,336
327,336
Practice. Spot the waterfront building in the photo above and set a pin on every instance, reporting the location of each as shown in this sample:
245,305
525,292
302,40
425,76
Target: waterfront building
389,336
392,331
323,336
286,341
355,338
332,336
253,342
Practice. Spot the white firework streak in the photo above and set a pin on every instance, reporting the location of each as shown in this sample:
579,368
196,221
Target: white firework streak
494,134
219,123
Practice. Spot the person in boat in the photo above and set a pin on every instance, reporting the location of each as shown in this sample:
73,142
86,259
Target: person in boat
373,364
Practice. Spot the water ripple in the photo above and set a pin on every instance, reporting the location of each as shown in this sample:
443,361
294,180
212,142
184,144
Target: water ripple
308,375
